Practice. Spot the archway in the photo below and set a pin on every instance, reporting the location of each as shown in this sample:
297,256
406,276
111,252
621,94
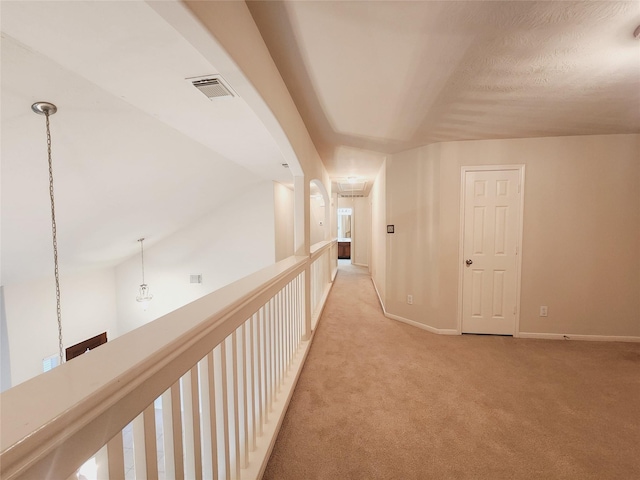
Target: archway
320,212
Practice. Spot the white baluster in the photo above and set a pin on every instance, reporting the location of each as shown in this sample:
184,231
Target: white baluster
115,451
271,356
261,389
195,411
102,463
234,403
213,429
139,459
280,347
243,396
204,381
150,441
296,296
188,423
251,382
289,335
225,410
176,426
167,436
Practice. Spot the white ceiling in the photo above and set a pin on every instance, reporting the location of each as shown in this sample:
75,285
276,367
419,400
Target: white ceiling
377,77
140,152
137,150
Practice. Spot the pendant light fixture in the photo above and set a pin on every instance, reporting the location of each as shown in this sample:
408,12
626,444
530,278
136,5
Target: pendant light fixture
144,295
47,109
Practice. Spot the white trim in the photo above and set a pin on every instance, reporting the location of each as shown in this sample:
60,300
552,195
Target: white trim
588,338
413,323
280,407
461,251
315,316
428,328
375,287
519,255
360,265
476,168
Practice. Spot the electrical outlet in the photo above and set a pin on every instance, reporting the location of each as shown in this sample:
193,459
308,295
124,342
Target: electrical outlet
543,311
410,299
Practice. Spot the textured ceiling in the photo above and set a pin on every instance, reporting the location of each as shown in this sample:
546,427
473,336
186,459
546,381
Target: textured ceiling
139,152
389,76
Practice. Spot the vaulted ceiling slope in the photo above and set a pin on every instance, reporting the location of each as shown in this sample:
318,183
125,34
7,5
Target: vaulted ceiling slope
388,76
137,150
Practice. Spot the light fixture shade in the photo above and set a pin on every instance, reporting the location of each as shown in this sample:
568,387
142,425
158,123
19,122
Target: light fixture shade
144,296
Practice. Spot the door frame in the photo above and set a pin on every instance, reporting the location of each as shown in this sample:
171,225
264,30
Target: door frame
483,168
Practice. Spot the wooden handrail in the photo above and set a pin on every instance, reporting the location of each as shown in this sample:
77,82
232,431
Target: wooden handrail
52,423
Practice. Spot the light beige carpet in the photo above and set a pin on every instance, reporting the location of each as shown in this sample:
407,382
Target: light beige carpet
378,399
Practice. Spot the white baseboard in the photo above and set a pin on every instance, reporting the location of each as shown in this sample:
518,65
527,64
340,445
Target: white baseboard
315,316
588,338
428,328
259,458
375,287
265,443
360,265
548,336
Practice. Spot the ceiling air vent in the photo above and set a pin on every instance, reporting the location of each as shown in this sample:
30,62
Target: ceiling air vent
212,86
352,187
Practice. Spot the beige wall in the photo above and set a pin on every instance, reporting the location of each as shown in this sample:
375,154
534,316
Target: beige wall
377,263
581,239
317,220
413,207
283,204
333,230
360,247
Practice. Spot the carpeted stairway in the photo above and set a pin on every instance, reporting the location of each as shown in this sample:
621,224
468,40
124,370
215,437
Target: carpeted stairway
378,399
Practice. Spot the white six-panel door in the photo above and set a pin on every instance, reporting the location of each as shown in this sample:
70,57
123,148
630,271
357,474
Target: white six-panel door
491,229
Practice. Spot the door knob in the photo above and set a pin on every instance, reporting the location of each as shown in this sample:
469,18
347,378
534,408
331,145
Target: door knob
469,262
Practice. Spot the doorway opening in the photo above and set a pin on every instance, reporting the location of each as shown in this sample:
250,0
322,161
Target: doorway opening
344,233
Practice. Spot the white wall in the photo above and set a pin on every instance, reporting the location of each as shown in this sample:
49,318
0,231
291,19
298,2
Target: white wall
235,240
378,264
233,27
581,240
88,303
317,219
5,357
413,196
283,198
333,228
230,243
360,245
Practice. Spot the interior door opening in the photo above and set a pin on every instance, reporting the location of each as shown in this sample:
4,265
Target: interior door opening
345,229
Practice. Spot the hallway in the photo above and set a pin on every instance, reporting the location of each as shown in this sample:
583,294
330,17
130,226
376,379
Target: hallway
378,399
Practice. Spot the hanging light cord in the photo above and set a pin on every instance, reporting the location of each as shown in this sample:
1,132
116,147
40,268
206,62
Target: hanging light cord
55,243
142,257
